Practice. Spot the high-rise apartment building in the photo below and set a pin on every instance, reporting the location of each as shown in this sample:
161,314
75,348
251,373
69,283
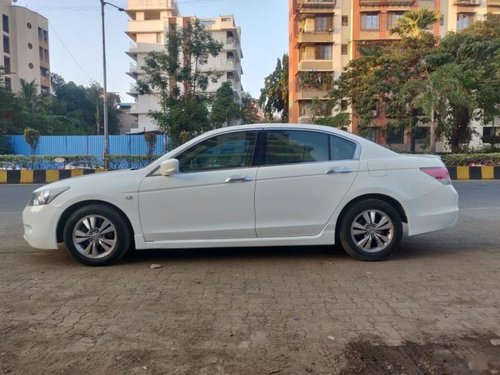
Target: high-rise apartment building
24,47
326,34
148,27
148,21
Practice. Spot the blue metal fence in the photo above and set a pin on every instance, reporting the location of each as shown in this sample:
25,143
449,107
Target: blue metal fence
129,144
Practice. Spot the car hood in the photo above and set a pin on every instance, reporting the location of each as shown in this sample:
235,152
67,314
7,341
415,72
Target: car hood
127,180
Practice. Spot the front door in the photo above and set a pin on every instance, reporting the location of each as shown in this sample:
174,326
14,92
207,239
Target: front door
212,196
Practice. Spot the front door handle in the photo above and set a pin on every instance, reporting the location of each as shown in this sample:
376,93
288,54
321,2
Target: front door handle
335,170
233,179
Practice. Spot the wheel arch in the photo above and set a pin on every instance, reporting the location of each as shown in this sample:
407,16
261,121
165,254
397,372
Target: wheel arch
69,211
393,202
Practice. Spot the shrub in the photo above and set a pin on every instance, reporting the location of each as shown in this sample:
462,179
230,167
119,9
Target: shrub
489,159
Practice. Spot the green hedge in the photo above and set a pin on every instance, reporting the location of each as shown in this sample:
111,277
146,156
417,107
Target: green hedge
139,161
48,161
455,160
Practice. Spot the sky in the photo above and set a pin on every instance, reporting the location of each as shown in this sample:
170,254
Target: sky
76,44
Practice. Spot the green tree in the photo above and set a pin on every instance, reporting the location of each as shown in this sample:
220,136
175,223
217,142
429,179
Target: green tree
466,72
32,138
150,138
249,109
387,80
274,95
224,109
179,79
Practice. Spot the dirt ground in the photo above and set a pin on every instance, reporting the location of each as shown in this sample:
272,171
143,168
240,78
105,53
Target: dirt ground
429,310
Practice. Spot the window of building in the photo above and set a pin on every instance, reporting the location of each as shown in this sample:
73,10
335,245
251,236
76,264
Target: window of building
5,23
207,24
230,75
40,34
344,49
422,134
45,36
158,37
31,66
464,20
370,133
6,64
44,72
8,83
29,26
30,46
40,53
233,150
229,37
345,20
295,146
323,52
46,54
441,21
394,135
392,18
6,44
343,105
324,24
369,21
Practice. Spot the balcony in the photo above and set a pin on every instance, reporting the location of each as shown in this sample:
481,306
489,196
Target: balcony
311,93
316,37
493,3
467,3
386,3
321,65
316,6
147,26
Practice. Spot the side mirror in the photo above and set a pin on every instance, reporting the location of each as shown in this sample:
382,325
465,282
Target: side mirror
169,167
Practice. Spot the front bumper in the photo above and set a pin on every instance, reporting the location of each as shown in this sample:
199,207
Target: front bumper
40,226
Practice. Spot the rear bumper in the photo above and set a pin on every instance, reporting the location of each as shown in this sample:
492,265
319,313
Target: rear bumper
434,211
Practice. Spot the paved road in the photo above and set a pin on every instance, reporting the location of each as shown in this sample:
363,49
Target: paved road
252,311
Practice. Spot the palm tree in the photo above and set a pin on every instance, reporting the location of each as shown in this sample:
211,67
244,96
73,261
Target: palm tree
29,93
415,23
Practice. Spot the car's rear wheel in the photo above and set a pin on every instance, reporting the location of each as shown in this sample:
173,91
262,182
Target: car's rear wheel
96,235
371,230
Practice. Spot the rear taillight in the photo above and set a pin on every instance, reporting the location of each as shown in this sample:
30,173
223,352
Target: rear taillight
439,173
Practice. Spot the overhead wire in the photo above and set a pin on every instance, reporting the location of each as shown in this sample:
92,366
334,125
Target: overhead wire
69,53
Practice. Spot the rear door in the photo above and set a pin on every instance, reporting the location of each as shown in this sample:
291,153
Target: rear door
302,179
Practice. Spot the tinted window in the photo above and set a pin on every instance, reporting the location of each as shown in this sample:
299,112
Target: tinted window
234,150
341,149
295,146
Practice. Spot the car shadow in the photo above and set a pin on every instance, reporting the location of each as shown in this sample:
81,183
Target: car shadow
241,253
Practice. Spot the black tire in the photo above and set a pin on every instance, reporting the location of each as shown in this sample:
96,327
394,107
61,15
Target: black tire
105,244
378,238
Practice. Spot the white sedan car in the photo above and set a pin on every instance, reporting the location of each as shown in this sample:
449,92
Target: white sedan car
250,185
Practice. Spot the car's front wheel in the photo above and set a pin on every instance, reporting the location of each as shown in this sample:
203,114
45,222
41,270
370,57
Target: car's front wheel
370,230
96,235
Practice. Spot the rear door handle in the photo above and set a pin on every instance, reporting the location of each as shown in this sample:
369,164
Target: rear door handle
335,170
234,179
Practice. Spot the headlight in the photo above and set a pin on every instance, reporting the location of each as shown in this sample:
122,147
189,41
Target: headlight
42,197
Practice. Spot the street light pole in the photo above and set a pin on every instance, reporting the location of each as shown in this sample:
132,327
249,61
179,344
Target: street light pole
105,84
105,95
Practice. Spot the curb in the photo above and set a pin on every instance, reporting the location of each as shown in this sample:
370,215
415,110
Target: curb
42,176
474,173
